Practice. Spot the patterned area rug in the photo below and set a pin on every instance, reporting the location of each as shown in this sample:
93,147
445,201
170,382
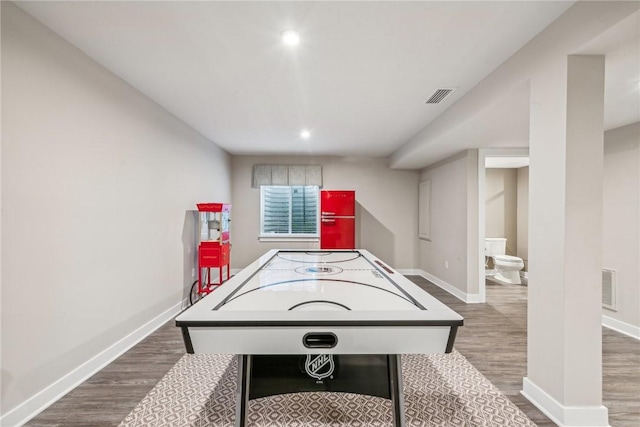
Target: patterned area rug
439,390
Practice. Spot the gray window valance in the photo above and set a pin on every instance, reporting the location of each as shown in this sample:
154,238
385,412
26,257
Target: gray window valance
286,175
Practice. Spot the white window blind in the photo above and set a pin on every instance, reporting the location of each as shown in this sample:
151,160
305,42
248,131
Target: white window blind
292,175
289,211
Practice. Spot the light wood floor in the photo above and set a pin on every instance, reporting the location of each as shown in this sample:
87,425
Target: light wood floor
493,340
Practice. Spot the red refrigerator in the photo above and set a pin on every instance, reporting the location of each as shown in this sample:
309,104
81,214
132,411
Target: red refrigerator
337,219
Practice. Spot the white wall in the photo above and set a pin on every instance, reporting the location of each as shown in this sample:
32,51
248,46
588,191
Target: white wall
451,255
97,182
386,207
565,243
621,218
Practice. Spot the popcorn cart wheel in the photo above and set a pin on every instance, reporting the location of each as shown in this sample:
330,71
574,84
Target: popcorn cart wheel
194,295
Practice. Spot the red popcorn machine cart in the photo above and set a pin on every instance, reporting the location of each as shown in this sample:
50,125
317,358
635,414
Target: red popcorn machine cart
213,248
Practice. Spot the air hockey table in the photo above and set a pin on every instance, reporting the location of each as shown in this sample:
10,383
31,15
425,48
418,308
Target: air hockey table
328,320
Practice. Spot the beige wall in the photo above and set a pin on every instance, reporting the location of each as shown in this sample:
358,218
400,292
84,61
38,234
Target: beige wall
97,182
501,192
386,203
451,255
621,217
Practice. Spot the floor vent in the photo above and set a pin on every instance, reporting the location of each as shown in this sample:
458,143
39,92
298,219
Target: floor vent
609,289
439,95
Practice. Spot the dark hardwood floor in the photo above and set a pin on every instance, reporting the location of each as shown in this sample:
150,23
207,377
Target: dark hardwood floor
493,340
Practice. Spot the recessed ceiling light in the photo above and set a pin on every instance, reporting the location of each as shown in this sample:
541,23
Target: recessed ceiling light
305,134
290,38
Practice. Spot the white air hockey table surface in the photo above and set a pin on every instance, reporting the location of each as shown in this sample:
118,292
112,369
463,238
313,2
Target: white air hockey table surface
333,320
271,305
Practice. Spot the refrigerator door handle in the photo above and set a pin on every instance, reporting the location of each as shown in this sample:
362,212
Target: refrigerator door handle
327,213
328,221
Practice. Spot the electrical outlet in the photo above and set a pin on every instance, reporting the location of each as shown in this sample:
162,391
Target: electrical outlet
446,264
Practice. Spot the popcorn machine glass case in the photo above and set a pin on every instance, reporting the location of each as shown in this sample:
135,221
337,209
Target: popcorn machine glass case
213,248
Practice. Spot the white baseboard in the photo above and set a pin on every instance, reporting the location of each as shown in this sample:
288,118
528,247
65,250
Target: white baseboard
49,395
565,416
620,326
409,272
462,296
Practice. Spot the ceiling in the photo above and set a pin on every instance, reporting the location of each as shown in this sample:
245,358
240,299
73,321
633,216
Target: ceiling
621,43
358,80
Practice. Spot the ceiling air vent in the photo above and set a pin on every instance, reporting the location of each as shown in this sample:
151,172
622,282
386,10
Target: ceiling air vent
439,95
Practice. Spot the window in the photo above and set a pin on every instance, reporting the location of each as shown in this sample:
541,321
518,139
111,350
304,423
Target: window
289,211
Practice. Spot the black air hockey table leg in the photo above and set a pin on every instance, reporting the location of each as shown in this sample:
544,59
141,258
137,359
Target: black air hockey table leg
242,391
395,384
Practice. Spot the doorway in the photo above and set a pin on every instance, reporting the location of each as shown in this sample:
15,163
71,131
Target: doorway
499,158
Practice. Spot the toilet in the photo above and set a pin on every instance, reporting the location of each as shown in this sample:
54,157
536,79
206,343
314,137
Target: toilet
507,267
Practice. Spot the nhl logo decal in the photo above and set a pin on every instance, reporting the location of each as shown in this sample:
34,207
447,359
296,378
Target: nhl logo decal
319,366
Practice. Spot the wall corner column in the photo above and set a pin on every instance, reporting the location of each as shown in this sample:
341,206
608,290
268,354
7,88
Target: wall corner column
564,372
